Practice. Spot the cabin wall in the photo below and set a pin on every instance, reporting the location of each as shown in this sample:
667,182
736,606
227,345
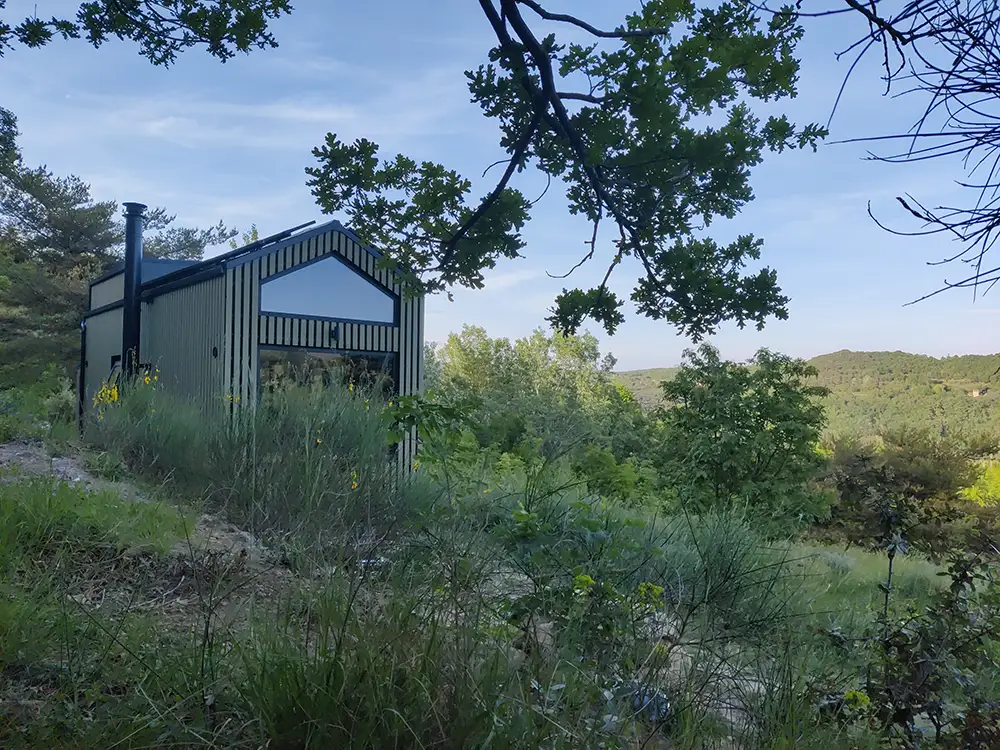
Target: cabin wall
103,341
411,366
183,335
247,329
107,291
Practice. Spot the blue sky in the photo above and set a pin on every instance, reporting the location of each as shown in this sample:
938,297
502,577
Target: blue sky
213,141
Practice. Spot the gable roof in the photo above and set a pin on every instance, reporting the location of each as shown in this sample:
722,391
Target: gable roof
197,271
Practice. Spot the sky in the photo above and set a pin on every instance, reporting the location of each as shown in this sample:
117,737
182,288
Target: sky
212,141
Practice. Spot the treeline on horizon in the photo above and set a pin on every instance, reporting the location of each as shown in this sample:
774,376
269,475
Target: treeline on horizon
870,392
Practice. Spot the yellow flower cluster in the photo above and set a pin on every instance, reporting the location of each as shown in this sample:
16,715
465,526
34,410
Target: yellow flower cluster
107,394
857,699
354,480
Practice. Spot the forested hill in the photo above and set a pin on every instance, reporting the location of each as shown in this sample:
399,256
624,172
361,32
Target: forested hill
870,390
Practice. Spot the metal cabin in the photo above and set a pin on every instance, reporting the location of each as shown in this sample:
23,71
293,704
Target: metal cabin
216,327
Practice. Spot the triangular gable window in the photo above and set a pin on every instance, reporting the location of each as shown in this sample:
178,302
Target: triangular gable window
327,289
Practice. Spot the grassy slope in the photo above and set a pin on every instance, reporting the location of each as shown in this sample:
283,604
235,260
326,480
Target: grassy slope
127,658
879,389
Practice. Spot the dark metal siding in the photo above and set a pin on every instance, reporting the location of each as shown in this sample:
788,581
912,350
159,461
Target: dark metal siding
104,341
180,331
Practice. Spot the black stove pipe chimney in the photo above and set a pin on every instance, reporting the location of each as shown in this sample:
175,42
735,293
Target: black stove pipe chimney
133,282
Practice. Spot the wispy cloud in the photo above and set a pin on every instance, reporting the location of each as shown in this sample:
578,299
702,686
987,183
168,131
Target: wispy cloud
389,109
511,279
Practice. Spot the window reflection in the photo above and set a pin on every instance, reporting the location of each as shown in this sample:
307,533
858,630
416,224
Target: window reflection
327,289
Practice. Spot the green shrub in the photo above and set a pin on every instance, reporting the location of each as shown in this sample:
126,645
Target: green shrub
744,436
40,410
986,489
627,482
908,482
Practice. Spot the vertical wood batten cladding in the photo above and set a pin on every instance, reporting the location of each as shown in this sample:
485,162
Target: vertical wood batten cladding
104,341
180,330
279,330
107,291
411,366
247,329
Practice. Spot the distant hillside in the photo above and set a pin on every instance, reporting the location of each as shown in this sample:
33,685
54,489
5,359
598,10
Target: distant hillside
872,390
645,384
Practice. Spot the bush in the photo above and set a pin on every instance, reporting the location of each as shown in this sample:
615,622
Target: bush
905,482
986,489
744,436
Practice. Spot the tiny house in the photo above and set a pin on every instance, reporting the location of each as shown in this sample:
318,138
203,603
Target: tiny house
221,329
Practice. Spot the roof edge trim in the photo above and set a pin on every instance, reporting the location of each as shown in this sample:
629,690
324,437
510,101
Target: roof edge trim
224,258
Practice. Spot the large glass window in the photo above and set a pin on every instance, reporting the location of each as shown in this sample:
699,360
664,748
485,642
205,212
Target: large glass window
327,289
280,367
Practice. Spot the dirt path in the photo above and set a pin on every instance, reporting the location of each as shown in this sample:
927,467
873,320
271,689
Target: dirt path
218,565
210,532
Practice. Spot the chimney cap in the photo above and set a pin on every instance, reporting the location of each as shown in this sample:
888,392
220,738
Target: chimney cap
134,209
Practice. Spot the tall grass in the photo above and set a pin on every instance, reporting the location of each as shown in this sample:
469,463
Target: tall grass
427,650
309,467
75,661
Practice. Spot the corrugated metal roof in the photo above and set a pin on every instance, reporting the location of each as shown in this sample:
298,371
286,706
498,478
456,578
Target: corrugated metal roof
158,272
152,268
276,242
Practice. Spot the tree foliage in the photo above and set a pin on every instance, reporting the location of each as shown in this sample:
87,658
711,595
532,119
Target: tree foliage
903,486
246,238
874,392
54,237
553,391
162,29
648,125
743,434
